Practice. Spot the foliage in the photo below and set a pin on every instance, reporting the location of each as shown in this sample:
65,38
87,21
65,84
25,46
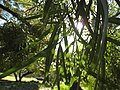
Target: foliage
45,34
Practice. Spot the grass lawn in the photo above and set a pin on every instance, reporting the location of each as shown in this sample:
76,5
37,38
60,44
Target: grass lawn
12,78
8,83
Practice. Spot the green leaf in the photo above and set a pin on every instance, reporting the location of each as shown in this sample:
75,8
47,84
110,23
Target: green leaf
63,62
47,7
114,20
51,45
104,31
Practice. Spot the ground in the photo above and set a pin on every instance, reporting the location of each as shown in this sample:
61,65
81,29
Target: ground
12,85
9,83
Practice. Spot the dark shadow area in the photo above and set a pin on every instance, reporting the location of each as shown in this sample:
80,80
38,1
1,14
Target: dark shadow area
75,86
12,85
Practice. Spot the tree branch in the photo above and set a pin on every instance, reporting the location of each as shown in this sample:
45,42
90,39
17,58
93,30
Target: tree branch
113,41
118,2
10,11
15,15
114,20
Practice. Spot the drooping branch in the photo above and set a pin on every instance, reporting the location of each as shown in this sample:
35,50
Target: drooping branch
15,14
118,2
10,11
113,41
114,20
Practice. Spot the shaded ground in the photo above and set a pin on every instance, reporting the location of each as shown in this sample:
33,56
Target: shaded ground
12,85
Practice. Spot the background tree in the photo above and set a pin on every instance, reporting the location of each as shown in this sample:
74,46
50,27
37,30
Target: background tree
89,52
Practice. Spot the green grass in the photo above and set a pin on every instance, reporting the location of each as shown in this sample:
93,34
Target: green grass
25,80
12,78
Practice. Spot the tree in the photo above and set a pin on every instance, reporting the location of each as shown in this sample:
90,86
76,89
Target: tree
54,23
